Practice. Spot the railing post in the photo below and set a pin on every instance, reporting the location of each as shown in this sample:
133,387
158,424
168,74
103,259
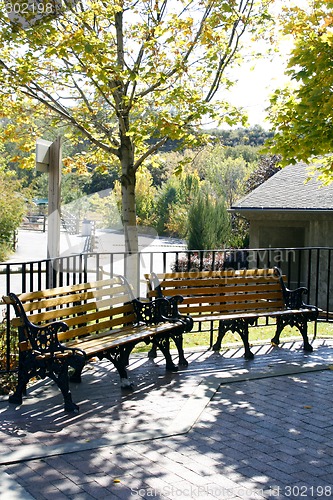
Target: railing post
328,283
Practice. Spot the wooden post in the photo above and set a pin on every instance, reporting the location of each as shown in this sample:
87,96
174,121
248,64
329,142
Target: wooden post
53,233
49,159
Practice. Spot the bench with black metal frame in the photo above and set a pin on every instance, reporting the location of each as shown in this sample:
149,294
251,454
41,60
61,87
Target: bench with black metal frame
61,328
236,299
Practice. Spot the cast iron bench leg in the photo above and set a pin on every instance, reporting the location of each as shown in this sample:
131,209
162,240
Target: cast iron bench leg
236,325
244,333
119,357
280,324
76,361
58,371
23,379
153,351
303,328
224,326
300,322
163,343
178,340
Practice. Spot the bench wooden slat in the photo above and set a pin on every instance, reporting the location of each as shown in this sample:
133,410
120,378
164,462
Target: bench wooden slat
59,301
225,291
82,329
89,310
218,282
248,315
195,309
90,328
221,290
234,298
69,289
211,274
231,295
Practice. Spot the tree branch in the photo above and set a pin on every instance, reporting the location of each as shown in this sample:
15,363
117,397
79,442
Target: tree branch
186,56
150,151
233,44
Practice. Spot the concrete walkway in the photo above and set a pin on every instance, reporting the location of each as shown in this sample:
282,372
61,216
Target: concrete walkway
223,428
32,245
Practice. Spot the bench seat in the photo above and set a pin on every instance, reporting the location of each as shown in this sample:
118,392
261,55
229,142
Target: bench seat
95,344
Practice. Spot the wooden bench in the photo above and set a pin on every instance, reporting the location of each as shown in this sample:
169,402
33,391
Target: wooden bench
63,327
236,299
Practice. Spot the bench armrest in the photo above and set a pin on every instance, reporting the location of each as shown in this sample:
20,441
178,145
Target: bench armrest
293,299
145,311
161,310
37,338
169,311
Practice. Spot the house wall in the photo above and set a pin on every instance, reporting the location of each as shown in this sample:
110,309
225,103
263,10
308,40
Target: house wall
291,236
321,231
278,229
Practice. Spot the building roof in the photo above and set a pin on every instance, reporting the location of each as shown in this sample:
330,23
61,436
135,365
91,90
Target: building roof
288,190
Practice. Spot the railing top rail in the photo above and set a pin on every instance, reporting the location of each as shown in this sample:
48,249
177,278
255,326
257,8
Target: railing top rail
172,251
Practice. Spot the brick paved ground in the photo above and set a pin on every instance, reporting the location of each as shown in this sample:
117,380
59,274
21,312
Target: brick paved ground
222,428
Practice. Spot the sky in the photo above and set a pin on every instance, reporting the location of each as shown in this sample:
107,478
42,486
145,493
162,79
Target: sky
255,86
257,80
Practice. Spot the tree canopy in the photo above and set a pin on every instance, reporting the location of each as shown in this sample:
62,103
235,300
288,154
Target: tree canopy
124,76
302,112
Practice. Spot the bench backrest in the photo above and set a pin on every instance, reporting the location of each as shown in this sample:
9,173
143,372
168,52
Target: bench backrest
105,304
219,292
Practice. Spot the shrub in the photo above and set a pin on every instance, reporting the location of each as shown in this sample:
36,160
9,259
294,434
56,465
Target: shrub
3,347
211,261
12,208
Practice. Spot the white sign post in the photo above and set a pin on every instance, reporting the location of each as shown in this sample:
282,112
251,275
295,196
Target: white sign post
49,159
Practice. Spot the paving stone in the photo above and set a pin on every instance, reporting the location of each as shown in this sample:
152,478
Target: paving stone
254,431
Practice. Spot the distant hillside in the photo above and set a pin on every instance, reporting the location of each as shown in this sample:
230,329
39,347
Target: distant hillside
253,136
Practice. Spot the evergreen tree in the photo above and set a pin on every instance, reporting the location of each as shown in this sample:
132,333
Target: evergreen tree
209,223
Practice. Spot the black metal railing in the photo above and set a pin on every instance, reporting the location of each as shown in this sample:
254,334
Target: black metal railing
310,267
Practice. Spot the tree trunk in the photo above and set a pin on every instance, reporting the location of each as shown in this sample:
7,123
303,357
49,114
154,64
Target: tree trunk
128,181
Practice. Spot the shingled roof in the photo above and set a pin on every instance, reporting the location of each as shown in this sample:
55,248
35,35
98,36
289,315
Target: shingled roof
287,190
